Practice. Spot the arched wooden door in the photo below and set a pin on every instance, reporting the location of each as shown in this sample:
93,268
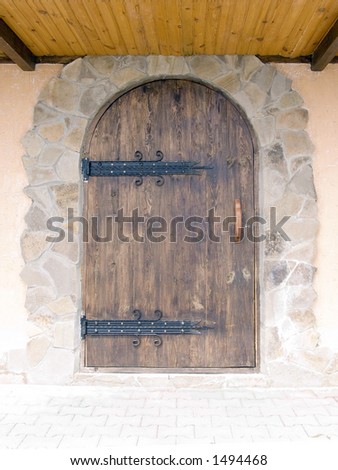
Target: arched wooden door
173,254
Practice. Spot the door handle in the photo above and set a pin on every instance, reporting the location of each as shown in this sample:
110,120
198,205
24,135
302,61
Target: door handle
238,220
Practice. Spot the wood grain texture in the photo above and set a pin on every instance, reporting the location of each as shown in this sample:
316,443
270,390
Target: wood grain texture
171,27
205,280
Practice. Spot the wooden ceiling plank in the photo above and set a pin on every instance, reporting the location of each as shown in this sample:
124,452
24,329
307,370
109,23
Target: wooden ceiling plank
237,12
300,24
258,38
187,27
103,43
134,14
24,28
52,30
160,16
199,29
322,24
72,26
116,37
148,13
87,25
172,27
212,25
15,49
122,19
327,49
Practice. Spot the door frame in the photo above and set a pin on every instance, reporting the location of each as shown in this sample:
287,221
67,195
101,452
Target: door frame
257,247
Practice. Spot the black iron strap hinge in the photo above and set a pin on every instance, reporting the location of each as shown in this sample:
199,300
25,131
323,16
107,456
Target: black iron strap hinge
139,327
140,168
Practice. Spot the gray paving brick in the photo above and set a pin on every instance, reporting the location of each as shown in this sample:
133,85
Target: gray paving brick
109,431
77,410
65,430
11,442
33,442
159,420
132,411
248,411
68,442
116,442
6,428
54,419
89,420
30,429
292,420
132,420
145,431
166,431
113,411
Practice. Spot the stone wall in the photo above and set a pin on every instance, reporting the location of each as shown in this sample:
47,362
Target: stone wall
290,351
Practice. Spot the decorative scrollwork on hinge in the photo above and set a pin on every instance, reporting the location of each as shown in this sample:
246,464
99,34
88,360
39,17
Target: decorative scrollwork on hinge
139,327
140,168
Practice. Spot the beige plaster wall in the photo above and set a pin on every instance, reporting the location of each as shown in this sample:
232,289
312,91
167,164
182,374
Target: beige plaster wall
320,93
18,95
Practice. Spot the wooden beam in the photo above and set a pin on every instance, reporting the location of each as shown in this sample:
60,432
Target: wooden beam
15,49
326,50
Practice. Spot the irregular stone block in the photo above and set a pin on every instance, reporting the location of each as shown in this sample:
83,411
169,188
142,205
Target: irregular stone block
63,306
302,275
43,114
303,182
79,71
36,297
63,274
290,100
39,175
56,368
274,348
229,82
41,195
249,65
303,319
34,276
265,129
274,158
275,273
104,65
50,155
300,230
74,139
280,85
300,297
64,335
68,249
316,360
68,166
206,66
274,243
37,349
32,143
91,100
33,244
292,119
296,163
66,195
167,65
36,218
61,94
251,98
275,184
52,132
263,77
296,143
127,77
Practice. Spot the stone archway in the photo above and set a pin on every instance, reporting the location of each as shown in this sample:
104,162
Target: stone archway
289,339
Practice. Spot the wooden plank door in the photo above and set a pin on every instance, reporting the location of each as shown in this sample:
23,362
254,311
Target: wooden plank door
180,268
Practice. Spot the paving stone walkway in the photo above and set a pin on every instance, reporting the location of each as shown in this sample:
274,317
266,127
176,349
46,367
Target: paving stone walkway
99,417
